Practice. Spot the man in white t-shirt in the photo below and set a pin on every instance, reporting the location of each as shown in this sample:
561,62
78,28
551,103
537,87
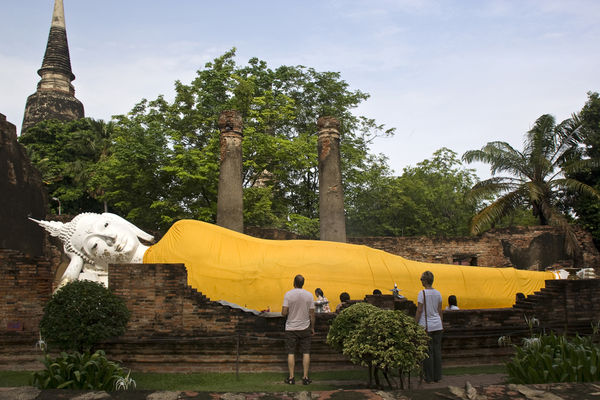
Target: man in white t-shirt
299,308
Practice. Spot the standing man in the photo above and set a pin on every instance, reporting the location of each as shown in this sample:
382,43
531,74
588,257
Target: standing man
299,308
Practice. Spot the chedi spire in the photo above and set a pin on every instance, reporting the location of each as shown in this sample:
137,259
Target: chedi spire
55,95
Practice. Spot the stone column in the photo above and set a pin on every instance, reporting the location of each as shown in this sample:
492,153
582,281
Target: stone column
331,194
230,201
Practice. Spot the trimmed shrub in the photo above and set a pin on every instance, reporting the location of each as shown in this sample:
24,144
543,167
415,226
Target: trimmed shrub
346,322
82,314
81,371
388,340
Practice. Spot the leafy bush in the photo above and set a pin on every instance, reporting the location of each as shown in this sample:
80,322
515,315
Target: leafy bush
81,314
387,340
552,358
344,324
81,371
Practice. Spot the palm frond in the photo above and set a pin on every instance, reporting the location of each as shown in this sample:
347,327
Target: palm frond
495,211
578,165
567,137
500,155
575,186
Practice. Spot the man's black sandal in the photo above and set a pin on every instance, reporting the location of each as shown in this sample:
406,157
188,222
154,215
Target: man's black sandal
290,381
306,381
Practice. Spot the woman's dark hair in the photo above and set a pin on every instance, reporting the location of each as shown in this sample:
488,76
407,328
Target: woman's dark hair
319,292
452,300
520,296
376,291
344,297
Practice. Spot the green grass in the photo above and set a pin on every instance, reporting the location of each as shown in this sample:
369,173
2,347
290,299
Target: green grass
14,378
249,382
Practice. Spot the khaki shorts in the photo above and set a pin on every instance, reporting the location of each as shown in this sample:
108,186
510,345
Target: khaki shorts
298,338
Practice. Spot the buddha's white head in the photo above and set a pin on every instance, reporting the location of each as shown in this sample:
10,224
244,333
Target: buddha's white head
99,239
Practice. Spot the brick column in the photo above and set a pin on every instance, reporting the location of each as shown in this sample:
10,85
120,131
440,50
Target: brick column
230,202
331,194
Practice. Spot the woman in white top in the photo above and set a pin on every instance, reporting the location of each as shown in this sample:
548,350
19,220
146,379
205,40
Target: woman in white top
452,304
429,315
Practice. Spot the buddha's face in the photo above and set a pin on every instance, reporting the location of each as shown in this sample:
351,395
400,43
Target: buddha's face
105,240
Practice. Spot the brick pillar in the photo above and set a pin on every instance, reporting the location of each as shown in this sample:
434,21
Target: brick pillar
230,202
331,194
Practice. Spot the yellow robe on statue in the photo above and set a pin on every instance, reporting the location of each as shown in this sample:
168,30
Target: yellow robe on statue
256,273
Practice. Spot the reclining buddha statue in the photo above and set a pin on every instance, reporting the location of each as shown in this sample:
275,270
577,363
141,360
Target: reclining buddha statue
255,273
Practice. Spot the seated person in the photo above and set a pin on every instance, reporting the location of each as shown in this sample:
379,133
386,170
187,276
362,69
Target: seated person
322,304
344,299
452,305
253,273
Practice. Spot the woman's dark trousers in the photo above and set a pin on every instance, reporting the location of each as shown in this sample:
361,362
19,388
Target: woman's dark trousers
432,365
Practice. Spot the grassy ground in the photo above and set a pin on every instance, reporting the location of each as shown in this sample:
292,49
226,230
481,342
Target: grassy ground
247,382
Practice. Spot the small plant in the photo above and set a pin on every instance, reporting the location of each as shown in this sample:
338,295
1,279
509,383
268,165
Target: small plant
82,314
125,382
554,358
81,371
41,344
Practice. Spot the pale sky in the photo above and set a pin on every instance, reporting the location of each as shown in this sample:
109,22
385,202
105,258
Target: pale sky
444,73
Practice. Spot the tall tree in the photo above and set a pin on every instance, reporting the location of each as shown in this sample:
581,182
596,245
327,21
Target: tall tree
66,154
537,175
428,199
280,108
587,208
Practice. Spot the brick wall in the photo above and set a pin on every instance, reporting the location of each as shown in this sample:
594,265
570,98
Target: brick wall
532,247
175,328
25,287
22,193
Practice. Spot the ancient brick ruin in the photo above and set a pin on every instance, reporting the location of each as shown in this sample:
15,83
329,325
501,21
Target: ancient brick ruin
175,328
530,247
22,195
55,95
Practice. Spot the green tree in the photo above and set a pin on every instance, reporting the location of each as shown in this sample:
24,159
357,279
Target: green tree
428,199
550,150
280,108
586,207
66,154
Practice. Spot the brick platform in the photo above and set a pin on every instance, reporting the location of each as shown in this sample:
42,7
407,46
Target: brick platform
175,328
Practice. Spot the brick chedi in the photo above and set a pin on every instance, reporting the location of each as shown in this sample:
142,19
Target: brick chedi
22,193
55,95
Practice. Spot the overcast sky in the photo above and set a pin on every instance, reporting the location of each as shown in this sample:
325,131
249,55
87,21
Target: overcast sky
453,73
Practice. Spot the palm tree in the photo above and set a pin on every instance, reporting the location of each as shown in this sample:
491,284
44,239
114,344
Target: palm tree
538,175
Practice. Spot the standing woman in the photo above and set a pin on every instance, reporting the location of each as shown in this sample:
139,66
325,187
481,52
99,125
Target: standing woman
429,315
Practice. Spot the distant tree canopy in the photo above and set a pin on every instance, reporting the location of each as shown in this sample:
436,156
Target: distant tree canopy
160,162
587,207
428,199
67,155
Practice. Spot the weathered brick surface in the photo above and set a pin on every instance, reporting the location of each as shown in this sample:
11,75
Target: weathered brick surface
175,328
209,336
22,195
534,248
25,287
